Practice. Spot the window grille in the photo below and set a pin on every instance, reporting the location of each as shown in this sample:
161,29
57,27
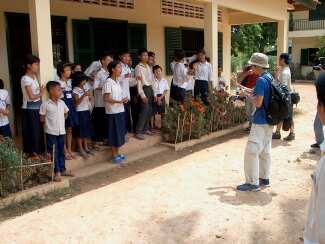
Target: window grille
128,4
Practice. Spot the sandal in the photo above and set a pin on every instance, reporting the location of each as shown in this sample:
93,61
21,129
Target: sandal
84,155
68,157
57,177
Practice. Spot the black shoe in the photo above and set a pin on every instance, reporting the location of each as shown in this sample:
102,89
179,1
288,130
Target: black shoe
276,136
290,137
314,145
265,182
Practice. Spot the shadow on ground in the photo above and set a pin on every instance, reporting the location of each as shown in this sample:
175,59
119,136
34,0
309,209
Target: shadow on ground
230,195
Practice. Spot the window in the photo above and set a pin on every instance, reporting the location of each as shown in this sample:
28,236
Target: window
318,13
190,40
129,4
308,56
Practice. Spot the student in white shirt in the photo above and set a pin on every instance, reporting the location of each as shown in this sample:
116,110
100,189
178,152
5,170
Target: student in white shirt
144,77
160,89
315,223
98,113
5,130
124,81
222,83
75,67
180,77
114,105
202,76
33,136
64,73
53,113
134,97
81,100
151,59
283,76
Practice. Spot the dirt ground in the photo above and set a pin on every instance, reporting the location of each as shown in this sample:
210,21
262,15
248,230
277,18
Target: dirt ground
183,197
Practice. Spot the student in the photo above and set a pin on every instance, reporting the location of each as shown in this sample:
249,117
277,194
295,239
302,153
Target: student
124,81
53,113
96,66
33,137
114,100
180,76
315,225
98,114
222,83
81,100
133,97
64,73
202,76
151,59
5,130
160,89
257,161
144,77
283,76
76,67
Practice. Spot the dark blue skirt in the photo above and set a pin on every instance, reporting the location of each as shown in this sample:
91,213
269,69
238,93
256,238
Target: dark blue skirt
84,128
72,119
5,131
33,136
116,129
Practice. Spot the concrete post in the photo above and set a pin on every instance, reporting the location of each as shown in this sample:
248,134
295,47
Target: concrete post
226,45
282,36
41,37
211,35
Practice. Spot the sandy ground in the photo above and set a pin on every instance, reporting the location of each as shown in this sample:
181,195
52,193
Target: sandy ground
187,200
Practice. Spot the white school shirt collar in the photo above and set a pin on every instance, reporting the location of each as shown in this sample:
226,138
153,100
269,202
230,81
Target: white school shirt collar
114,88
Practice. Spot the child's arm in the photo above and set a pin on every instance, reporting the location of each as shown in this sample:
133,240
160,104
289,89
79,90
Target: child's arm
5,111
109,99
77,99
42,112
30,94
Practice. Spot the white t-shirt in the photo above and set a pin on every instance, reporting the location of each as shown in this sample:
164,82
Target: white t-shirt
125,82
190,84
85,103
99,82
160,86
4,101
285,77
54,116
33,83
203,71
114,88
180,77
93,69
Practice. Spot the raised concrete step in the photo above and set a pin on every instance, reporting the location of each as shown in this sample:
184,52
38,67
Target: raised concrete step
132,146
104,166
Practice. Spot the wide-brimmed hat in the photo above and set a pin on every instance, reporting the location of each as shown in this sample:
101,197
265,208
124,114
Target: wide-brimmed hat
260,60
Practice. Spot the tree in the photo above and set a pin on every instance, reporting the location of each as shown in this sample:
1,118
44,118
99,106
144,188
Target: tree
321,52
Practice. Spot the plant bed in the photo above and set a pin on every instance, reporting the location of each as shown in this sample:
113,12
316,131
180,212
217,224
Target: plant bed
18,173
192,123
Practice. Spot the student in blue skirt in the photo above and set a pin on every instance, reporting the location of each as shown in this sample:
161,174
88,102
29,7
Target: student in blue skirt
114,106
82,105
53,113
4,111
33,136
64,73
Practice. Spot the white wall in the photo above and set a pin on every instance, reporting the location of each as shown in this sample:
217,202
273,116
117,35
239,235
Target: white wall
301,43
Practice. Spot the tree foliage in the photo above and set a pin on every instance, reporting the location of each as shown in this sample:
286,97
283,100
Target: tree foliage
321,52
247,39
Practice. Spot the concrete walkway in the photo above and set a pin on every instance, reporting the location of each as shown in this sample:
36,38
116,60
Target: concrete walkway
191,200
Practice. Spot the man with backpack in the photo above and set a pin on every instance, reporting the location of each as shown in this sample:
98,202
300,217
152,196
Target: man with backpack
257,161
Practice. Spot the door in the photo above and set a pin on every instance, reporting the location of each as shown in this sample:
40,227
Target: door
137,38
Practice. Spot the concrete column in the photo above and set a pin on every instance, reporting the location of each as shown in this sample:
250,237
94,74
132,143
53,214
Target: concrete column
226,28
211,34
282,36
41,37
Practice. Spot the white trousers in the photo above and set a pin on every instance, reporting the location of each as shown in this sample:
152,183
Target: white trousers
258,154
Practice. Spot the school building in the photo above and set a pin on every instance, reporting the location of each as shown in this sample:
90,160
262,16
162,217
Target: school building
78,30
305,29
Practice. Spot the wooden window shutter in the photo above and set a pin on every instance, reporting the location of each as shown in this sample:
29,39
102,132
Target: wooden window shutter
173,41
83,42
220,49
137,38
304,58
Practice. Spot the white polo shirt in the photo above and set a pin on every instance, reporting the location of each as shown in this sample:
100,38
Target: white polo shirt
54,116
84,104
203,71
114,88
33,83
66,87
180,77
93,69
4,102
160,86
125,82
99,82
145,72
